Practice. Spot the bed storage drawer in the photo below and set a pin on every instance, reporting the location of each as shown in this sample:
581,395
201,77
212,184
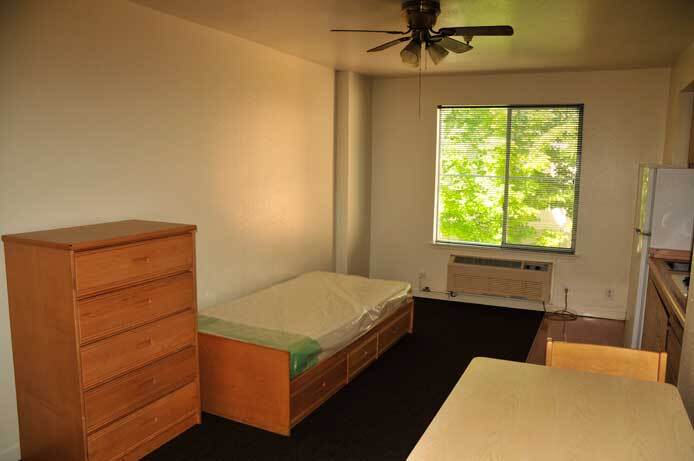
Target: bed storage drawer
121,396
390,333
127,433
129,350
124,309
113,267
362,354
308,397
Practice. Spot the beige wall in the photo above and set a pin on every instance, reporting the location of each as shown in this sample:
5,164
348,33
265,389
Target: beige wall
624,124
111,110
352,172
679,121
685,382
678,131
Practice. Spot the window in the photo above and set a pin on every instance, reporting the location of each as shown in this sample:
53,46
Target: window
508,176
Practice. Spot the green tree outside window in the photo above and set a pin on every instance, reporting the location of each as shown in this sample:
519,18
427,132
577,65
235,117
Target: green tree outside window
509,176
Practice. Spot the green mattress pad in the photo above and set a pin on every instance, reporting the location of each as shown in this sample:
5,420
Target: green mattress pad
303,351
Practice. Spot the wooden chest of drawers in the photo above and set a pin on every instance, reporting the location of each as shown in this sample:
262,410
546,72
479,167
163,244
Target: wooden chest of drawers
104,338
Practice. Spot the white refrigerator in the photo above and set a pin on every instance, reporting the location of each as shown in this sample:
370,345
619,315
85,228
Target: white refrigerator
664,219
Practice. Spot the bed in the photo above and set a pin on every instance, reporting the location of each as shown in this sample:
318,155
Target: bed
271,358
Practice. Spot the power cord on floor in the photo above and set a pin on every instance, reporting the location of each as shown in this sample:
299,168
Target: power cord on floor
563,315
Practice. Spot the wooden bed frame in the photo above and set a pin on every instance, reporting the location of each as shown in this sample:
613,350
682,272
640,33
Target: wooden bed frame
251,384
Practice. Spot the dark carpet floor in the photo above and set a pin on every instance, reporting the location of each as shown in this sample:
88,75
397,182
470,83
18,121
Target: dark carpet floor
383,413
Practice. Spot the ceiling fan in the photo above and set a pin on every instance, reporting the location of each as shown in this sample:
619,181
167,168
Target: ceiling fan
421,18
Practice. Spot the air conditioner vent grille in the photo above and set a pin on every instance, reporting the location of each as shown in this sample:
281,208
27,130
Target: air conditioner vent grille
487,262
519,288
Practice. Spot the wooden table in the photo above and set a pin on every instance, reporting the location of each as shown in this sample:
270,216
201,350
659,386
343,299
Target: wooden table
503,410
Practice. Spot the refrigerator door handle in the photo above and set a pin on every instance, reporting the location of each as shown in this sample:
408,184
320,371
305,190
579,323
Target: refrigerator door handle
645,234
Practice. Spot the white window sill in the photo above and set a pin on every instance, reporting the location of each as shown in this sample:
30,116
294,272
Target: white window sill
539,255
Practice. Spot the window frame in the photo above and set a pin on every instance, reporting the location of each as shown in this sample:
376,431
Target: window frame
504,245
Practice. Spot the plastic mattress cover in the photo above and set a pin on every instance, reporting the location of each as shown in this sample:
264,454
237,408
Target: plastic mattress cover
311,316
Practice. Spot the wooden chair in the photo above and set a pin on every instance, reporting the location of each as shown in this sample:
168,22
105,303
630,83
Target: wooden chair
616,361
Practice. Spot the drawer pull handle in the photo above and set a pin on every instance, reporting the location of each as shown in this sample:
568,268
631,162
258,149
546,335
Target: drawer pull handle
322,384
145,343
152,420
365,353
146,302
144,259
149,382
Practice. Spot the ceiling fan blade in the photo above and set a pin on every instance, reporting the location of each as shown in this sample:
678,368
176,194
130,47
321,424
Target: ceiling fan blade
388,44
476,31
393,32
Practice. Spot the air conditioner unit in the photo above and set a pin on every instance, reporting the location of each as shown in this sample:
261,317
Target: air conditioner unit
509,278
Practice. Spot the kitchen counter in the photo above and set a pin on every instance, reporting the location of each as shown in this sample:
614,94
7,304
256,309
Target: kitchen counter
672,298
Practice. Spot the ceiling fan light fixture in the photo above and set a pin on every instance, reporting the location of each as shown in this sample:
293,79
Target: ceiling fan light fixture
412,53
454,45
437,52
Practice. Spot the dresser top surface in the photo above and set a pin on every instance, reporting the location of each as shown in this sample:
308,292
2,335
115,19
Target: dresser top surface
100,235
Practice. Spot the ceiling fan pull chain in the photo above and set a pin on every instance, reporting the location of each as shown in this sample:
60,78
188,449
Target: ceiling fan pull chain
419,108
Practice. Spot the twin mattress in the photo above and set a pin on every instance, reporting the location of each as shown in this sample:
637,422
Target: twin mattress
311,316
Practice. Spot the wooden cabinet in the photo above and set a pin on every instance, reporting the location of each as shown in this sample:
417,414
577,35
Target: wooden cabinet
104,338
674,351
662,332
655,321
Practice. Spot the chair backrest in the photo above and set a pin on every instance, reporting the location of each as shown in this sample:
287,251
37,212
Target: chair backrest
617,361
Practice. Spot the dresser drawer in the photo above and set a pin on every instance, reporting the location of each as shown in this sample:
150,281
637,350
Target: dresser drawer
129,350
393,331
124,309
117,266
365,353
125,434
134,390
318,390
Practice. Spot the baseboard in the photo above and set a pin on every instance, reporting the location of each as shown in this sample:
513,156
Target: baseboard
611,313
10,453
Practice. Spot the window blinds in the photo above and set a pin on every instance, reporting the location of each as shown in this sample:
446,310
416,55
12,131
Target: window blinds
509,176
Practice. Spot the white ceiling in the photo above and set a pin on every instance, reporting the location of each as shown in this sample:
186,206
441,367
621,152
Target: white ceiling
550,34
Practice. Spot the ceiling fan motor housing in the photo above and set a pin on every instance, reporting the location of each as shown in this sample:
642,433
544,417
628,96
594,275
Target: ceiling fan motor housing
421,14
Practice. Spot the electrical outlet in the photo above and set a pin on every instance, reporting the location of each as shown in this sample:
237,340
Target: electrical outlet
609,293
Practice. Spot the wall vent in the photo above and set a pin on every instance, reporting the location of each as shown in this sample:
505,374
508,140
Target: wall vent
509,278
